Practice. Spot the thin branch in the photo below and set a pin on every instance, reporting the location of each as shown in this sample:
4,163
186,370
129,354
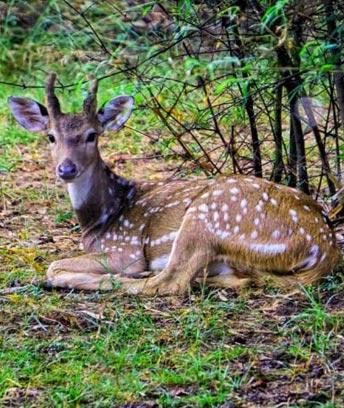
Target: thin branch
89,25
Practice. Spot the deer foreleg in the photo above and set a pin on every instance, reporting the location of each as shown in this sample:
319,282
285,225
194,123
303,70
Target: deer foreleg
90,272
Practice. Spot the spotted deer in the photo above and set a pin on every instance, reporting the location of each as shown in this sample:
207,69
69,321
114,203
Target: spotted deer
159,238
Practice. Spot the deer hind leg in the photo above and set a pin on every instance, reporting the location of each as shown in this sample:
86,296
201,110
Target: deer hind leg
175,279
226,281
220,273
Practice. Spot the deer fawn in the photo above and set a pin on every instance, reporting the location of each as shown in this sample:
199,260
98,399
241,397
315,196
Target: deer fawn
162,237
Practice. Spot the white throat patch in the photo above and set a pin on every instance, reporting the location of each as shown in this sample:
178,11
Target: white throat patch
79,190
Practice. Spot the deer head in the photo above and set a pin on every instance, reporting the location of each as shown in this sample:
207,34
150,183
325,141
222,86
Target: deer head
73,137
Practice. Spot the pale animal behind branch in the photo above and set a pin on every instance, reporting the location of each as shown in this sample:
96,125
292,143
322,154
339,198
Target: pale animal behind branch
160,238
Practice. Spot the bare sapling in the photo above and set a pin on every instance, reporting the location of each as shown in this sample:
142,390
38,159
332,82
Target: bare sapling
160,238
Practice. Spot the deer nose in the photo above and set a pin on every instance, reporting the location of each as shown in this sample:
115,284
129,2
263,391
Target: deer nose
67,170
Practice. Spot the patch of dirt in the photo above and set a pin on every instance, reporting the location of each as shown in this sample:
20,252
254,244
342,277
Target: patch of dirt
19,397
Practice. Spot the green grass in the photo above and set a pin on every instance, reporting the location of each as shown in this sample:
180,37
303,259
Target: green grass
213,348
199,351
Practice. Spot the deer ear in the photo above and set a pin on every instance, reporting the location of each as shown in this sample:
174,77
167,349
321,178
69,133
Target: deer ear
116,112
30,114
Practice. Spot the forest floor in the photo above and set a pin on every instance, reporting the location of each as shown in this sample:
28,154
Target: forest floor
212,348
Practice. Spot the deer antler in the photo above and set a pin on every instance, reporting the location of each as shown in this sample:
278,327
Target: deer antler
90,103
53,104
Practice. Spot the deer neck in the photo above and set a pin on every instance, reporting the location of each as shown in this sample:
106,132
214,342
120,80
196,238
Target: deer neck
98,196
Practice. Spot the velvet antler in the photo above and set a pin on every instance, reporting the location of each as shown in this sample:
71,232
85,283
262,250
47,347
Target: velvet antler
52,102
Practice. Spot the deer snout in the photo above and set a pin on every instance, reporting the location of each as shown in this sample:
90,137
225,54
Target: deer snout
67,170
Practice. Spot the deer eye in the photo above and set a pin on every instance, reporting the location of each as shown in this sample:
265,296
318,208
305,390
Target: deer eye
51,138
91,137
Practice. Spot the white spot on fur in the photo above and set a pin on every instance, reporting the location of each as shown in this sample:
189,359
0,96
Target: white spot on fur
276,234
203,208
168,237
135,240
259,208
217,192
224,207
268,248
243,203
175,203
293,214
254,234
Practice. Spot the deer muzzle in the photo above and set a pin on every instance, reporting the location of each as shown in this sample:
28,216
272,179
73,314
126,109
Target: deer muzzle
67,170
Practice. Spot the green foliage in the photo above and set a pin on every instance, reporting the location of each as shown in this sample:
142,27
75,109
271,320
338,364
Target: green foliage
192,68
